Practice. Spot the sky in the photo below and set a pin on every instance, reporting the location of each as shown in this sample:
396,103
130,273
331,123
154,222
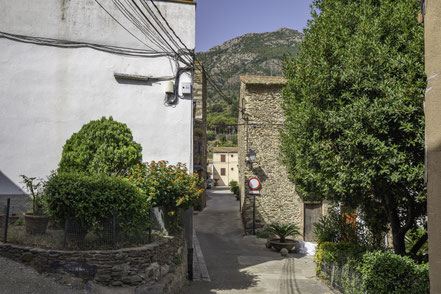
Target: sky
218,21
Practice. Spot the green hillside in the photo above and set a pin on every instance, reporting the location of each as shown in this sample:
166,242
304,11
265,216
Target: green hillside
257,54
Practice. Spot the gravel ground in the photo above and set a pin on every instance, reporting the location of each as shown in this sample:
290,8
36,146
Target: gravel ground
16,278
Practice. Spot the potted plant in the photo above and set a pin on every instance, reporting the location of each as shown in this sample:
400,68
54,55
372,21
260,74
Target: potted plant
35,222
282,231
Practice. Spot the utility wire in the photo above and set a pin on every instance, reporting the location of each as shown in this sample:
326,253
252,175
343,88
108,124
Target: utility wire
121,24
72,44
140,25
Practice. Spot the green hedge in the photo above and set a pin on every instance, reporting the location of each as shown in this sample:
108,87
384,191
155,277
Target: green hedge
354,269
91,200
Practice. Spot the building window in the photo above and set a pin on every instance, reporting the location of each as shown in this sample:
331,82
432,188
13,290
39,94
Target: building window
232,168
232,155
223,158
222,171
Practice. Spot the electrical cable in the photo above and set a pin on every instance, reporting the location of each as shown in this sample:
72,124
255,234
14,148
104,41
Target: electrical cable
73,44
141,27
121,24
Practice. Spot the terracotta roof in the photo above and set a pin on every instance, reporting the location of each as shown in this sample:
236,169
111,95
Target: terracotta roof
225,150
263,80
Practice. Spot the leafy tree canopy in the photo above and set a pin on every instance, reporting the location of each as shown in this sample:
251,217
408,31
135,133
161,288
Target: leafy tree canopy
101,146
354,107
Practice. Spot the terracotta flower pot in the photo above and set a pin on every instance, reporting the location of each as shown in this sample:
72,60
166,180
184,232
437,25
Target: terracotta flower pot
288,244
36,224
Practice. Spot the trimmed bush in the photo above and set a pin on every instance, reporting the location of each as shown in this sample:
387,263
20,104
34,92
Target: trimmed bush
353,269
385,272
101,146
90,200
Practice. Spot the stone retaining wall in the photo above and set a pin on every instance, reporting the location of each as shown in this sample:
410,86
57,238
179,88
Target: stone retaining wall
160,264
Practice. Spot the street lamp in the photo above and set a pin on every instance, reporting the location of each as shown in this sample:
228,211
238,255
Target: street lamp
251,157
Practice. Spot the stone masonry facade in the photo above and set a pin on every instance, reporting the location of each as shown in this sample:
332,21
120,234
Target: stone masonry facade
160,267
260,120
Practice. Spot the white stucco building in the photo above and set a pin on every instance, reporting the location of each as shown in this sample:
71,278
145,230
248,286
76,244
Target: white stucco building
64,63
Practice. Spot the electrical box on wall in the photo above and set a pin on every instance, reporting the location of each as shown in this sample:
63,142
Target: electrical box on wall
186,89
169,87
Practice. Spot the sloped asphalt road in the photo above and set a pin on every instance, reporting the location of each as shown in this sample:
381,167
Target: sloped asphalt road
242,264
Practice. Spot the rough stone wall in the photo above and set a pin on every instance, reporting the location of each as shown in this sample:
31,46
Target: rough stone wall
161,265
278,201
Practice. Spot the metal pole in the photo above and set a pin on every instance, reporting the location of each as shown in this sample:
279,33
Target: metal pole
150,225
8,204
65,234
254,214
114,228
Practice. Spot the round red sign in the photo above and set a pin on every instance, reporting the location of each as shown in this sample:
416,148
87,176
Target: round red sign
254,183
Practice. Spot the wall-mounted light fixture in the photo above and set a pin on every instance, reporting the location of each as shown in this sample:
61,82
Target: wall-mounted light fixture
251,157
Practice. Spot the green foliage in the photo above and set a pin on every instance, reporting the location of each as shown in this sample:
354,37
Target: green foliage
101,146
354,105
387,273
167,185
339,253
90,200
357,270
412,237
283,230
259,54
34,187
211,135
338,226
234,188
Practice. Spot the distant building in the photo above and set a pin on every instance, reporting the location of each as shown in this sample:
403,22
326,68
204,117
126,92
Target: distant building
225,165
260,119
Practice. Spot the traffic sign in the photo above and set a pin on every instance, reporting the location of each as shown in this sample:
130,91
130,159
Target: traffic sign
254,183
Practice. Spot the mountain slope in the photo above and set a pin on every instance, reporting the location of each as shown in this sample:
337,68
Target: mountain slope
259,54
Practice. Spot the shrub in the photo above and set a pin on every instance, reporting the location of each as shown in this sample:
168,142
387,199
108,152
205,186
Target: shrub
34,187
167,185
339,226
234,188
354,269
101,146
90,200
283,230
334,227
384,272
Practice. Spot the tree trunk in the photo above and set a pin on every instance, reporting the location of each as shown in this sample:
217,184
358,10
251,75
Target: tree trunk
398,241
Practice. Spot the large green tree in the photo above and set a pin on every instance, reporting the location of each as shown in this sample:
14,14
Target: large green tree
354,105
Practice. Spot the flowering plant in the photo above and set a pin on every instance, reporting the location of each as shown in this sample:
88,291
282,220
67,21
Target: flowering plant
166,185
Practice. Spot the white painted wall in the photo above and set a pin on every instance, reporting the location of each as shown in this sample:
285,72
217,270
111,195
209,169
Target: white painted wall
48,93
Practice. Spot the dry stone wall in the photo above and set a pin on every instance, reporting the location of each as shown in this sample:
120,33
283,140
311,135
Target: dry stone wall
160,266
260,121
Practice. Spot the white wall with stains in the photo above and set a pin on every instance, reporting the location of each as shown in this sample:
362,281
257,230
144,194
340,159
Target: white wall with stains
47,93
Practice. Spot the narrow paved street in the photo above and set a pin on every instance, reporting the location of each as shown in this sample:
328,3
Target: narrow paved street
242,264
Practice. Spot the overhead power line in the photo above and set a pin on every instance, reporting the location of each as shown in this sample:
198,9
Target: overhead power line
72,44
161,34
